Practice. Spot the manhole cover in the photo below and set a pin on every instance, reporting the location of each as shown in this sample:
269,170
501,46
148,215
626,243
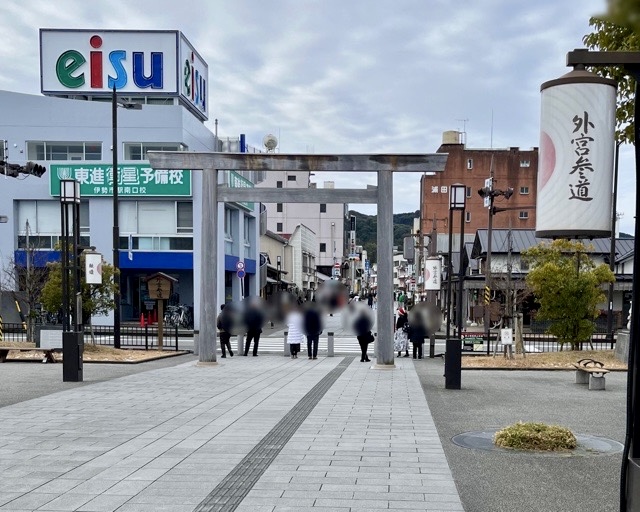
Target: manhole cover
587,445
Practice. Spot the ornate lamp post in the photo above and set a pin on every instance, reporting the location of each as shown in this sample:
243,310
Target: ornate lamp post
72,335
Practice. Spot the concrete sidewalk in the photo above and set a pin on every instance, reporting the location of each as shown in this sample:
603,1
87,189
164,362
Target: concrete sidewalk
252,434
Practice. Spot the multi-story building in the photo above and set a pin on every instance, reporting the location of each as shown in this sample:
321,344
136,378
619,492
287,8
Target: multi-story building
511,168
326,220
160,215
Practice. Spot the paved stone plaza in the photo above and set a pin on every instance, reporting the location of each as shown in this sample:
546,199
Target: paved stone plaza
251,434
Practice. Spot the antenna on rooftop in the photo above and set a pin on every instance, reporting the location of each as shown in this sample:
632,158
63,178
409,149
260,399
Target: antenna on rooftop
463,132
270,142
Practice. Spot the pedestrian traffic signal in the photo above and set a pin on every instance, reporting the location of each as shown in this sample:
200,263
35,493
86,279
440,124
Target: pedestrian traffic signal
34,169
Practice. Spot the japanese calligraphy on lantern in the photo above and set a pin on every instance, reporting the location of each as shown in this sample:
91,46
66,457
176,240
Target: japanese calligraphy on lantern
576,157
432,271
582,143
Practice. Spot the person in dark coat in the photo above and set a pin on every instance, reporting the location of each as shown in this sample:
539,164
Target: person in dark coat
254,319
417,334
362,328
225,336
312,327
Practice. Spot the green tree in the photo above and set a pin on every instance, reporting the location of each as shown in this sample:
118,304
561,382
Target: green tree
619,30
97,299
568,286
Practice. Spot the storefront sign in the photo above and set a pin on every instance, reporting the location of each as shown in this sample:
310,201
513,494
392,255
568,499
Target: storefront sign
135,62
134,180
236,180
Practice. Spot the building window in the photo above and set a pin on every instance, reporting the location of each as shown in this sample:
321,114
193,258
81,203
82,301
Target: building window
279,227
469,164
138,150
323,247
228,225
523,215
44,224
64,150
184,217
323,208
278,184
156,225
279,207
291,177
525,163
467,217
468,191
524,190
247,231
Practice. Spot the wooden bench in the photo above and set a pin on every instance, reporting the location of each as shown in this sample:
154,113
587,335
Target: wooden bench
48,353
592,372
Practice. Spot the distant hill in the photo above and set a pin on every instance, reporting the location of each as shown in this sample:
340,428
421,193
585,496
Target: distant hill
367,230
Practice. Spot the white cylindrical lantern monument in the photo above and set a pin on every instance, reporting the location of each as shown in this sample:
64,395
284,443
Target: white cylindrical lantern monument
432,273
575,170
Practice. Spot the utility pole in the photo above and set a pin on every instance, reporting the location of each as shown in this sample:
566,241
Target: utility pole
488,193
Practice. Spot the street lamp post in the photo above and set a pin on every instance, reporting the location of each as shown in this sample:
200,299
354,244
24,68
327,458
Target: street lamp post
629,62
453,353
116,227
72,336
458,202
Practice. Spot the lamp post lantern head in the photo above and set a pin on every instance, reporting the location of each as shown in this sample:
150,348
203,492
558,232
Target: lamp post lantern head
457,196
69,191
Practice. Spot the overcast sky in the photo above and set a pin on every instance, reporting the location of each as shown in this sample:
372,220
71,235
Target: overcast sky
348,76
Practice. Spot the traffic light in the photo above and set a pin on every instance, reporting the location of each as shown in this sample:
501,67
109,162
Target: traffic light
34,169
7,169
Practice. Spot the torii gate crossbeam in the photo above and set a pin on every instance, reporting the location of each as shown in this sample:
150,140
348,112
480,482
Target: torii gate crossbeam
212,193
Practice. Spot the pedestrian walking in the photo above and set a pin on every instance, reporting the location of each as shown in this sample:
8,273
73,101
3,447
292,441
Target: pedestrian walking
400,336
362,328
295,322
417,334
312,328
370,300
225,336
253,319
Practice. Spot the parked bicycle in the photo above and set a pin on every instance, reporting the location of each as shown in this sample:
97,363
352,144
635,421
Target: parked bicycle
179,315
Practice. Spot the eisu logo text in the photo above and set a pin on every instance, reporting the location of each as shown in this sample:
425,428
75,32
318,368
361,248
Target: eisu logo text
194,84
70,68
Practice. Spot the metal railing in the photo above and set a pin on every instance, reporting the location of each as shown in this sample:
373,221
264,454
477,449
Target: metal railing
130,336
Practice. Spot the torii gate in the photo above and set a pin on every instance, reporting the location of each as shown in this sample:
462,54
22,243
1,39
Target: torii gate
212,193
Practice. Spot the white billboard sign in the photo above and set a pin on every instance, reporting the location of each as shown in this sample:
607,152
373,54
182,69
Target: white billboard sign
576,157
194,76
93,268
432,273
135,62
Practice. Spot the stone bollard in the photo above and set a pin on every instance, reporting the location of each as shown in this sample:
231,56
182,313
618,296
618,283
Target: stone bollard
287,349
330,344
240,344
